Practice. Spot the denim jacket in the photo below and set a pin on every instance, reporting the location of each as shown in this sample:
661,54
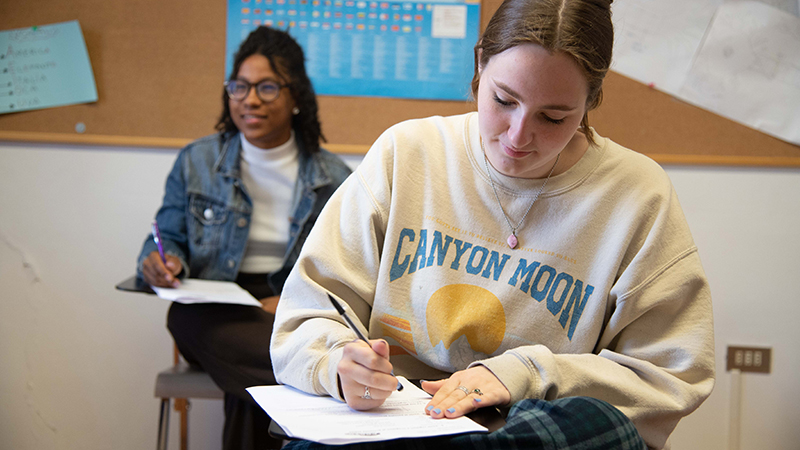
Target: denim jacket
205,217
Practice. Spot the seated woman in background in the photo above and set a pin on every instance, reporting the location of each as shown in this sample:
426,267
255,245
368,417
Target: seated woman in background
514,255
238,206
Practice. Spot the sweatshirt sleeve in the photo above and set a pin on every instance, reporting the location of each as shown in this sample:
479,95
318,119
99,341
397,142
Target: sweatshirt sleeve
654,359
340,256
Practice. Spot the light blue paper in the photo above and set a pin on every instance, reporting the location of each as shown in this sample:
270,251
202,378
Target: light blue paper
46,66
400,48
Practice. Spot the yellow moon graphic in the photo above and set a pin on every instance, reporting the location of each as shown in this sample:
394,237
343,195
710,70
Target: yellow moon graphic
465,310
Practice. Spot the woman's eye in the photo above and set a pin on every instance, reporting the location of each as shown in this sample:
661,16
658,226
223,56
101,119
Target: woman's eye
501,101
551,120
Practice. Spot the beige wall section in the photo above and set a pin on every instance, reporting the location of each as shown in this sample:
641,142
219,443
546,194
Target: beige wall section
79,358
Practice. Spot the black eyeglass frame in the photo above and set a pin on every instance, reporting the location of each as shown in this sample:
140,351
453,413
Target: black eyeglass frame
251,86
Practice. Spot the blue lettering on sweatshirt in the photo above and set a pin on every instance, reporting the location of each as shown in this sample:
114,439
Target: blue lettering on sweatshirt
565,295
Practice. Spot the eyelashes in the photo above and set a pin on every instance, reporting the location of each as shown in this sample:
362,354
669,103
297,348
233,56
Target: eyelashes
545,117
551,120
501,101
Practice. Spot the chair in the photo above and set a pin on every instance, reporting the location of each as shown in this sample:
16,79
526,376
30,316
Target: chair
180,381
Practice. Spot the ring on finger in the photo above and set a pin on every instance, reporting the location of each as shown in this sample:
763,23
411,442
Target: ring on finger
477,391
366,395
464,390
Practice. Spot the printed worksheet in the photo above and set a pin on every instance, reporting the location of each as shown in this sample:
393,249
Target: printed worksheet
329,421
193,290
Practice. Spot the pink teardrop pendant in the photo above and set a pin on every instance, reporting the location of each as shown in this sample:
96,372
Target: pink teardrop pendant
512,240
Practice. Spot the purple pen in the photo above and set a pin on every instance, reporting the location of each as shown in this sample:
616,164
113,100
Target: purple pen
157,239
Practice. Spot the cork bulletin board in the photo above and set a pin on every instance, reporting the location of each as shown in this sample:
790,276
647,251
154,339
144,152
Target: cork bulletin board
159,68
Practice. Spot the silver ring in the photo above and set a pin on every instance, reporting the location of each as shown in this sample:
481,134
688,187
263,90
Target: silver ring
366,395
464,389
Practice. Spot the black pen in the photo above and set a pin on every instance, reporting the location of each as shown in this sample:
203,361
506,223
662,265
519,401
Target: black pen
355,329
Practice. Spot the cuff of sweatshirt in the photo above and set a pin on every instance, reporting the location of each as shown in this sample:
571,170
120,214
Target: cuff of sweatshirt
518,376
327,374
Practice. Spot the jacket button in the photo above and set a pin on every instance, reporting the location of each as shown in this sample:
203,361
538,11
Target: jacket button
242,222
208,214
231,263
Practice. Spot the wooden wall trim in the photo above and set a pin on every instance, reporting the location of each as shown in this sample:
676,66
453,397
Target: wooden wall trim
349,149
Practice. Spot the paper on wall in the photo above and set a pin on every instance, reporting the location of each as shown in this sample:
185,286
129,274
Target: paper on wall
748,69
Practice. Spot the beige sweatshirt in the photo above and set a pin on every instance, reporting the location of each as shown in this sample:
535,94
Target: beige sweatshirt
603,297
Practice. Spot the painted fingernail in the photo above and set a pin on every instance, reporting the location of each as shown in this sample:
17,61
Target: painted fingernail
429,408
477,399
437,411
451,410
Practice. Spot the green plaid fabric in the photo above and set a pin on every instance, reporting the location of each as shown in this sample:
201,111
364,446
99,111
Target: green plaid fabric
574,423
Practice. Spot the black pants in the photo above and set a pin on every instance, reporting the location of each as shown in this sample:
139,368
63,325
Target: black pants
231,343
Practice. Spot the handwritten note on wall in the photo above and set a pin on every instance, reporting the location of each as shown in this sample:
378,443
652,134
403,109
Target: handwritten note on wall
44,66
748,69
738,59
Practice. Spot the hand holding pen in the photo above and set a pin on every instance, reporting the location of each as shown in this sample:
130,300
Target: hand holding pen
159,269
365,373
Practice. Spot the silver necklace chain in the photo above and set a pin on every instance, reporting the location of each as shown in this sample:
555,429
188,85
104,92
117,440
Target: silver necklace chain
494,189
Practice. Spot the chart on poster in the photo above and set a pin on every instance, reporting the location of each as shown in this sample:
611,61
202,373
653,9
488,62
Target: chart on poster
401,49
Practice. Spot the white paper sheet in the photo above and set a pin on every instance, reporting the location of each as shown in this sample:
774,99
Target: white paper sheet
655,40
193,290
328,421
749,69
789,6
449,21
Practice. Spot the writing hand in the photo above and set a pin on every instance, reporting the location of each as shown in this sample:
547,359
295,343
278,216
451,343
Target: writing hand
366,368
156,273
464,392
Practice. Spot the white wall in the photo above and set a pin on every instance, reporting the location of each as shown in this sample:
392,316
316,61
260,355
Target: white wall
78,359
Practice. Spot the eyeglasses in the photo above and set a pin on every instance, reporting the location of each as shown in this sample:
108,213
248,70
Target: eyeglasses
266,90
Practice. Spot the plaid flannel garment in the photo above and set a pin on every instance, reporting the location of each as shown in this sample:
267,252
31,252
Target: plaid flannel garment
573,423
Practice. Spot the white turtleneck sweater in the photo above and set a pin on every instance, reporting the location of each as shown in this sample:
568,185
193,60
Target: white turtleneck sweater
269,177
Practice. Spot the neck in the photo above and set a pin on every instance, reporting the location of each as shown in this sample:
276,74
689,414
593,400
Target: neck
572,153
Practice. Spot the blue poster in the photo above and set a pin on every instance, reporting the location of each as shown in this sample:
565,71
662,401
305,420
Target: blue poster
43,67
400,49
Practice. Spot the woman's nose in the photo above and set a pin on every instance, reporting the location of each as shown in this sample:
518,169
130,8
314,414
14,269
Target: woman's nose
252,97
520,131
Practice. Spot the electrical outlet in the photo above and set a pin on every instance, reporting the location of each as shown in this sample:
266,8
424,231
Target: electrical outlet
750,359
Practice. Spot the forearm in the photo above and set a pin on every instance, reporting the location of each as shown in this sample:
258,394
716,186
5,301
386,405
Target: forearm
309,334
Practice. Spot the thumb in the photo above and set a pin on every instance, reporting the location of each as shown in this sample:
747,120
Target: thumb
173,265
381,347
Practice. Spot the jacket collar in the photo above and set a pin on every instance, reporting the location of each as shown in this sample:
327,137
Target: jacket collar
227,163
312,172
